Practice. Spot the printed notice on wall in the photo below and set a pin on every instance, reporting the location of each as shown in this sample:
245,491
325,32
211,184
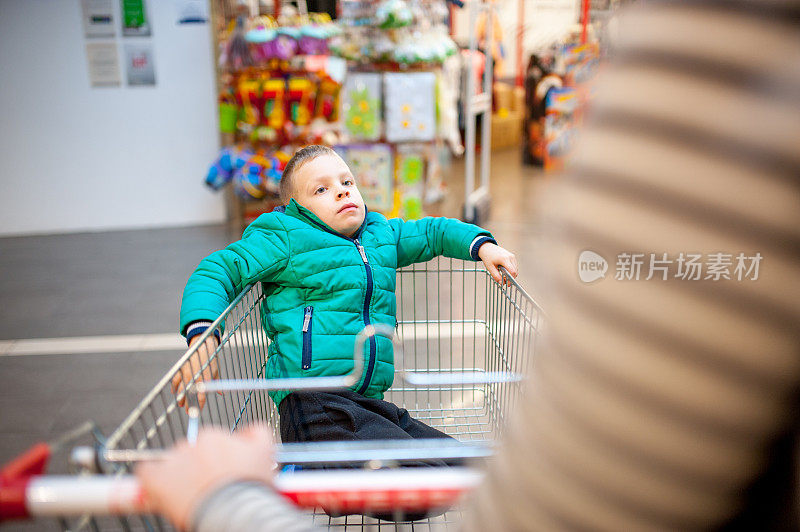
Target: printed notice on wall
139,64
103,64
98,18
134,19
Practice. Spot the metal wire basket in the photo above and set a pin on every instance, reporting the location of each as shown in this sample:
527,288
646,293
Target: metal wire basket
462,341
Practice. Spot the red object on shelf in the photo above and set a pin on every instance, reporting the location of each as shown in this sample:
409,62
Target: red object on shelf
584,19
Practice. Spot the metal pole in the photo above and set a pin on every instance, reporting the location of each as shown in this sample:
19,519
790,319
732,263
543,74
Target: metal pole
486,124
469,117
520,51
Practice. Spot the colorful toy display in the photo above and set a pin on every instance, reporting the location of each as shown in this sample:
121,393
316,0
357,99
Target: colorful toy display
262,40
281,88
400,32
361,106
371,165
410,106
277,107
558,88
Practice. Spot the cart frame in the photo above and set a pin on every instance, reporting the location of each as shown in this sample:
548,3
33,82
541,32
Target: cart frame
462,343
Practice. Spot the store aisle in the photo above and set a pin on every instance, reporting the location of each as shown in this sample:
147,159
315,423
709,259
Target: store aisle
130,283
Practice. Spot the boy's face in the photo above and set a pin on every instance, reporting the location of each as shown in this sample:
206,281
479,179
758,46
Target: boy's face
325,186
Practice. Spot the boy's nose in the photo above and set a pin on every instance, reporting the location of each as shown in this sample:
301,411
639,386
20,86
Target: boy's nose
344,193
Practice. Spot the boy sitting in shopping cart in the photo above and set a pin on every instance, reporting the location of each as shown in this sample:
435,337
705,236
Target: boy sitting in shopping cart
329,269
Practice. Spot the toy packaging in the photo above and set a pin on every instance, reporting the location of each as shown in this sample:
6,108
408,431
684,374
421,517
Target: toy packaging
410,176
410,106
361,106
559,125
371,165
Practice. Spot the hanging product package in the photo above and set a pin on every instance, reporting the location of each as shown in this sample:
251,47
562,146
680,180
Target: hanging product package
371,165
410,106
361,106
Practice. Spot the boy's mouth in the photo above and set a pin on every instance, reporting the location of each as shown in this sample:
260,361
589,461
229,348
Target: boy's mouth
347,206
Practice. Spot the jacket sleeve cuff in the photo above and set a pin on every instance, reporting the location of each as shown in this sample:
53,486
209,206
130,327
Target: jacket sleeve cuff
198,327
476,245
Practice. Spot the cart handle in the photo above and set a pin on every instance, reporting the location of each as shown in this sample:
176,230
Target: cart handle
372,452
323,383
294,383
408,489
444,378
351,379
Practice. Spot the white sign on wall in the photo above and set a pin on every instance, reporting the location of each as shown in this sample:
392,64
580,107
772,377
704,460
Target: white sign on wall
103,64
139,64
98,18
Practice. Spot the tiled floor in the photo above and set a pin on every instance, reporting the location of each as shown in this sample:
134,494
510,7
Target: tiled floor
130,283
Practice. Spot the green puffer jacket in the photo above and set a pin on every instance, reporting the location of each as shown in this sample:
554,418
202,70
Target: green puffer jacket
322,287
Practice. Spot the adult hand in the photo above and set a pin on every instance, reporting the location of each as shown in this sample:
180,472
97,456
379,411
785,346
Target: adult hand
175,485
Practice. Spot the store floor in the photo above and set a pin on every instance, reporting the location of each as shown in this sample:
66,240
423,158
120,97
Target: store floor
129,283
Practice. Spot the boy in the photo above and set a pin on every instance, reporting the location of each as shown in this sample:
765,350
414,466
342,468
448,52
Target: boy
329,270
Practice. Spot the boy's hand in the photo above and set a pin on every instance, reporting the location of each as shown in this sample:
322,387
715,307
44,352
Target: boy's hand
187,474
494,256
186,373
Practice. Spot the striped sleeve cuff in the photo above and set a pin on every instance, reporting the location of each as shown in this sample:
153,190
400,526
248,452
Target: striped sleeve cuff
476,245
198,327
247,505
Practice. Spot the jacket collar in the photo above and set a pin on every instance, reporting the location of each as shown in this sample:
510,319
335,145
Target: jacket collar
298,211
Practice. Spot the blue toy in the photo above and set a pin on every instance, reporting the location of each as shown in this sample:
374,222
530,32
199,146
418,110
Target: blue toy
229,161
248,183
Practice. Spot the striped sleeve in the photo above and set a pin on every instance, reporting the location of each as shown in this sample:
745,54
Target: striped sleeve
657,404
248,506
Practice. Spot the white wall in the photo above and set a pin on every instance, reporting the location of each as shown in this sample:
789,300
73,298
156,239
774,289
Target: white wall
544,22
77,158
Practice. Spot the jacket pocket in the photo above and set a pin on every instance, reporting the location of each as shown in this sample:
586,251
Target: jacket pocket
306,357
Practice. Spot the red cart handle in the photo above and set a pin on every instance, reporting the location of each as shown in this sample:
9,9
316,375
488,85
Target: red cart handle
15,477
408,489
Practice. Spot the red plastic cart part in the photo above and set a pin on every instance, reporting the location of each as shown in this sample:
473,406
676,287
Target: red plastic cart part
15,477
348,491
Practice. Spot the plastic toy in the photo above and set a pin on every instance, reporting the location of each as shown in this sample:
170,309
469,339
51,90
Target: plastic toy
247,183
249,94
300,100
327,104
229,161
273,97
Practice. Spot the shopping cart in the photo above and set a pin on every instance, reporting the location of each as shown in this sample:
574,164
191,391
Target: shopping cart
462,344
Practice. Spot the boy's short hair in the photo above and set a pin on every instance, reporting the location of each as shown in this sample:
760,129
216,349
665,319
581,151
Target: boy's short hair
300,157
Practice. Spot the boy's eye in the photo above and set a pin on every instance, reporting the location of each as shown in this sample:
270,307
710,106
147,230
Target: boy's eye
348,182
320,190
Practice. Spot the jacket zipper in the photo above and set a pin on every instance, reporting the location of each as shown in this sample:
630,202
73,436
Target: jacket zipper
367,298
306,361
